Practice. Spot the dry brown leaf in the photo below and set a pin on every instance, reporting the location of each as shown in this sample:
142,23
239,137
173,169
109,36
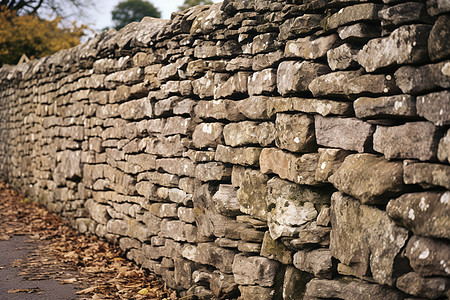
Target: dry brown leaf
69,280
28,291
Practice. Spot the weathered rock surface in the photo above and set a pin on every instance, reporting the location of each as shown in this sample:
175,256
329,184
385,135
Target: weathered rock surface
435,107
329,162
250,270
405,45
252,194
370,178
351,14
310,47
241,156
248,133
357,245
425,214
293,77
417,140
428,257
295,132
437,47
430,288
444,148
342,57
426,174
320,106
275,250
389,106
353,134
317,262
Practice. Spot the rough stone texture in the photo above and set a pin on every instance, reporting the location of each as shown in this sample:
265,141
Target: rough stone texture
437,47
317,262
349,289
295,132
276,250
436,7
404,13
320,106
370,178
207,134
252,194
310,47
351,14
444,148
405,45
425,174
435,107
417,140
390,106
345,133
359,32
293,77
425,214
331,84
357,245
250,270
248,132
417,80
329,162
342,57
430,288
250,292
428,257
240,156
263,82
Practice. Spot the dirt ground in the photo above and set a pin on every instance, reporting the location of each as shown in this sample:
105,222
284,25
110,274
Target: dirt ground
42,257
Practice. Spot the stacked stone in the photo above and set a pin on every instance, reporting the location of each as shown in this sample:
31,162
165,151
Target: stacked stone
254,149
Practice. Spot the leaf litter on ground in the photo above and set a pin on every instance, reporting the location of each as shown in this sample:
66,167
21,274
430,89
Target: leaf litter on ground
97,267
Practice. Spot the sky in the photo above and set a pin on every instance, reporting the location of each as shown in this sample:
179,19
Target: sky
101,16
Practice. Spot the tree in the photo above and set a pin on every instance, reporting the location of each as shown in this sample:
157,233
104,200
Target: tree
190,3
35,37
57,7
132,10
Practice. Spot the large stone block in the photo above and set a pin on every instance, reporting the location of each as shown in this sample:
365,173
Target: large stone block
406,45
248,156
178,231
370,178
294,77
345,133
219,110
250,270
350,289
295,132
236,85
255,107
329,162
426,174
437,47
417,140
178,166
342,57
365,248
435,107
210,254
429,257
263,82
276,250
164,146
331,84
225,200
404,13
317,262
212,171
249,132
252,194
254,292
207,134
444,148
291,205
352,14
425,214
430,288
310,47
300,26
264,43
388,106
437,7
318,106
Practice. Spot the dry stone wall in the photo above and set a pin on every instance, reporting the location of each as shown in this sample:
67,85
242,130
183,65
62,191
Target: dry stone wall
260,149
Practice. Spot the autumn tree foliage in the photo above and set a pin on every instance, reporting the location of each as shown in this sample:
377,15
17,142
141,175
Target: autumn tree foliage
128,11
33,36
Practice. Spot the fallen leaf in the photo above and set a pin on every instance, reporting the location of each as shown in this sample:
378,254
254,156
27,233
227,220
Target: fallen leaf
70,280
87,291
143,291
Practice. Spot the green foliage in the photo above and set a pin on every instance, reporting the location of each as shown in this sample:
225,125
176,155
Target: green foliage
190,3
33,36
132,10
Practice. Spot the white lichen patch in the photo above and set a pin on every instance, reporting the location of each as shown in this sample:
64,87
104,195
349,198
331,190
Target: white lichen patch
424,254
445,198
411,214
423,205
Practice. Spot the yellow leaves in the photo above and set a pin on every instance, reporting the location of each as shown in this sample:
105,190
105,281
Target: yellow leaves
34,37
144,291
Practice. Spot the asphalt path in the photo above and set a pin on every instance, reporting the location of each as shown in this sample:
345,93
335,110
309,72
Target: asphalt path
13,285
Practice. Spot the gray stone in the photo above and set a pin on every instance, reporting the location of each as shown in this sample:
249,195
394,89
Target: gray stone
429,257
164,210
317,262
264,43
359,32
365,248
388,106
289,206
164,146
267,60
430,288
276,250
295,132
207,134
310,47
345,133
343,57
258,270
335,83
294,284
319,106
404,13
352,14
254,107
349,288
178,231
370,178
444,148
178,125
417,140
236,85
252,194
435,107
299,169
249,132
210,254
225,200
177,166
329,162
254,292
302,25
371,85
248,156
416,80
219,110
405,45
262,82
212,171
437,7
426,214
293,77
247,247
437,47
426,174
98,212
